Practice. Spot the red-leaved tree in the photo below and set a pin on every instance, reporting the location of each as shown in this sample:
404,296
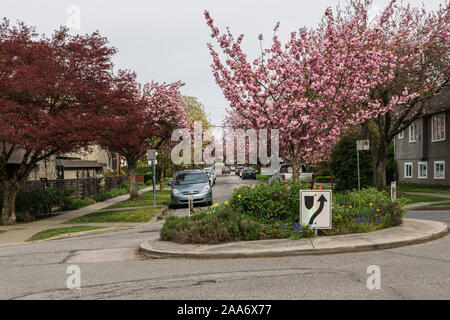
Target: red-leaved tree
52,92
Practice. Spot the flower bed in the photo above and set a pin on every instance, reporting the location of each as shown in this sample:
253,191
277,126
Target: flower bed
271,211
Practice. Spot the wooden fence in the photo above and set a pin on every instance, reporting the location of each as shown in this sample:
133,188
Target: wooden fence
83,188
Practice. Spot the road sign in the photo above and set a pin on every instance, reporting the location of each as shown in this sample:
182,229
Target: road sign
151,154
315,208
362,145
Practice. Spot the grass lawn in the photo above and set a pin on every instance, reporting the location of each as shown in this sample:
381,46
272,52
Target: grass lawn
443,204
262,177
422,188
56,232
162,198
413,198
137,215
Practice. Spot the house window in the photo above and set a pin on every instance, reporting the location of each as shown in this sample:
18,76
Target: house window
413,132
439,169
401,134
422,170
408,170
59,172
438,127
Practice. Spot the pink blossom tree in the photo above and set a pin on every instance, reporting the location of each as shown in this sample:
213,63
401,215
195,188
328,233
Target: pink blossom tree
311,88
420,42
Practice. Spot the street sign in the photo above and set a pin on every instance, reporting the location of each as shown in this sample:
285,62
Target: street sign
362,145
315,208
394,190
151,154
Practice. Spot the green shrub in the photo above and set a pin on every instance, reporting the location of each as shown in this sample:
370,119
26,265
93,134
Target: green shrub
74,204
226,226
38,201
327,179
269,201
220,223
344,167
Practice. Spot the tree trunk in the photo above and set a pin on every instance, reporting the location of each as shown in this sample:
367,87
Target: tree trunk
379,159
162,176
295,170
10,190
134,194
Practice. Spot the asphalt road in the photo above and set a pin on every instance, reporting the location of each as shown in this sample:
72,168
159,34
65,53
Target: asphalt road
112,269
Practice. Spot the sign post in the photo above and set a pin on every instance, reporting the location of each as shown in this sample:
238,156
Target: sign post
361,145
151,157
315,208
394,190
190,205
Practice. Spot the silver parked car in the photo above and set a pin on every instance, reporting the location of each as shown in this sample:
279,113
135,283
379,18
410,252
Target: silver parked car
193,183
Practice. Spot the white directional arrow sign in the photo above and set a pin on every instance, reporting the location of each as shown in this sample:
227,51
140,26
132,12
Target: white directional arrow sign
315,208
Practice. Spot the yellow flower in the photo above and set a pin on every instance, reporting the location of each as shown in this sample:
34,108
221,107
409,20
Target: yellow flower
371,204
350,207
378,210
239,196
226,203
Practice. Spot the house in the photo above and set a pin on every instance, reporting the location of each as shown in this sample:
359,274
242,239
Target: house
82,164
423,150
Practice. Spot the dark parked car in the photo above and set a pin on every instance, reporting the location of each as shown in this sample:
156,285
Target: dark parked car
248,173
193,183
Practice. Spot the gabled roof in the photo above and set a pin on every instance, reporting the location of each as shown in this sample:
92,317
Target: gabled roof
438,103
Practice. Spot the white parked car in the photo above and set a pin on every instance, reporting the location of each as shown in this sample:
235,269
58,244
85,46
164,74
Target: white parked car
284,172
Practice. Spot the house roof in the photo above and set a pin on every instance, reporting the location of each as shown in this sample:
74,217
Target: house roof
79,163
438,103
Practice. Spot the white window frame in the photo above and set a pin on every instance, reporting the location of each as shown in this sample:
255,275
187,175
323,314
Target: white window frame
419,171
434,169
401,135
432,128
411,140
405,171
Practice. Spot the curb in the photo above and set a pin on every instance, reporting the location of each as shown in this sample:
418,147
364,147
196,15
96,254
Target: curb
85,233
439,230
432,208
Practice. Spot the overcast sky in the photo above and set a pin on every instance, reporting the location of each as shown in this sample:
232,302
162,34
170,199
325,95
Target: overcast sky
166,40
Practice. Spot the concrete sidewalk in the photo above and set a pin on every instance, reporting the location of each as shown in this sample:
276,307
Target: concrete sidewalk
21,232
411,231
